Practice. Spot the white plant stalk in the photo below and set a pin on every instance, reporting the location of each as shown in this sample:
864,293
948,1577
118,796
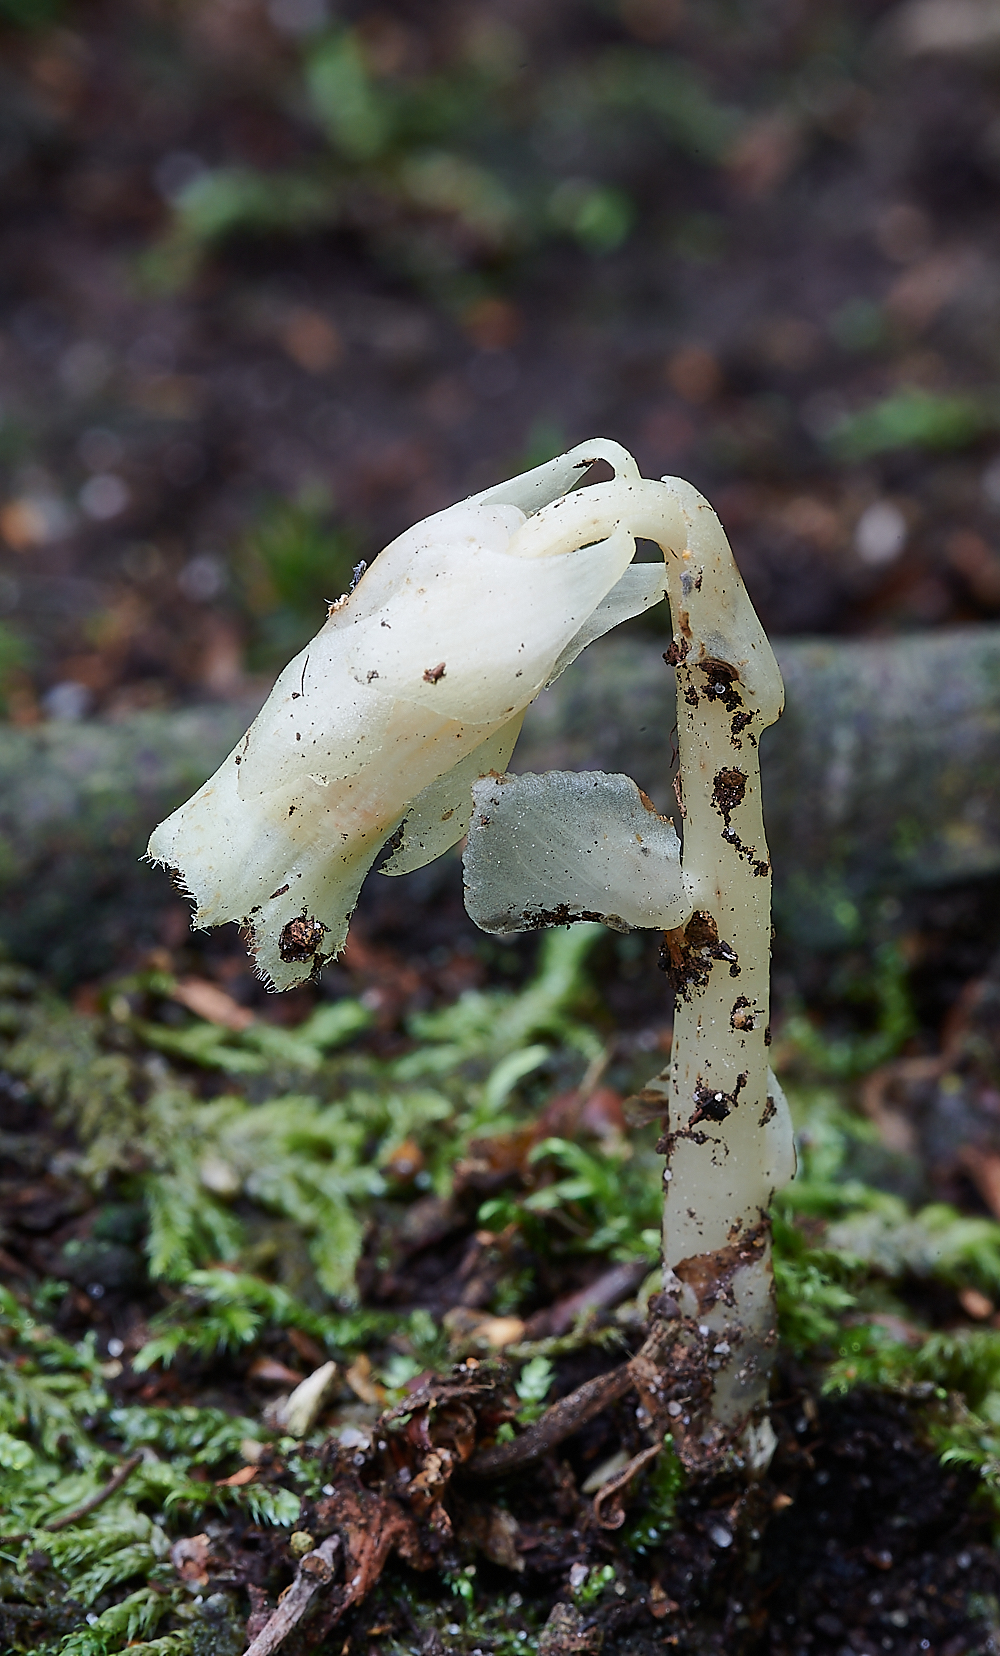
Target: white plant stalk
728,1137
728,1133
412,692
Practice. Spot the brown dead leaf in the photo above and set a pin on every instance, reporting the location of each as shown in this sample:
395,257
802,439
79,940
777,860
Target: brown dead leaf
602,1113
405,1161
764,154
977,563
308,1349
245,1475
269,1369
494,1532
24,524
427,1488
189,1557
454,1426
983,1168
660,1602
493,324
311,340
359,1378
975,1304
469,1330
493,1161
694,373
917,296
206,1000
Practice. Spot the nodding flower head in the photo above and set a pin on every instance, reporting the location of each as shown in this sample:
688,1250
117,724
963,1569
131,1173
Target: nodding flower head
414,688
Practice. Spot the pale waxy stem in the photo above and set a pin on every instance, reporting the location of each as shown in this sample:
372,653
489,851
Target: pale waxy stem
728,1138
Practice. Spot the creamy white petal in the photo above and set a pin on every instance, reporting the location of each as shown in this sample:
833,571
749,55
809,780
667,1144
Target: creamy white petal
538,488
641,586
438,651
495,630
439,817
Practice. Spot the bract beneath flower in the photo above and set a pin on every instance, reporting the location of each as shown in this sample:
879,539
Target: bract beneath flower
416,685
548,850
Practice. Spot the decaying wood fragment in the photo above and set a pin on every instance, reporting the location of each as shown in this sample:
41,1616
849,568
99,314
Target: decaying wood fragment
569,1633
370,1526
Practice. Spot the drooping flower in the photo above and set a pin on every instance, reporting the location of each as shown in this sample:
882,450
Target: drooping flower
416,686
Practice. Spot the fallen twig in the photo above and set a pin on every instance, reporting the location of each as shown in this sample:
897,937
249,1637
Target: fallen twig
101,1495
608,1290
314,1572
612,1491
557,1423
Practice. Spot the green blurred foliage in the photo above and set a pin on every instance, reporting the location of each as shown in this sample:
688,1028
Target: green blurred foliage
879,989
30,14
296,561
454,172
533,1387
911,418
15,656
309,1149
599,1578
657,1513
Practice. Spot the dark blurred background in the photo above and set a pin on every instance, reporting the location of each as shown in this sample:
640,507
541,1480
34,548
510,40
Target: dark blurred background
278,277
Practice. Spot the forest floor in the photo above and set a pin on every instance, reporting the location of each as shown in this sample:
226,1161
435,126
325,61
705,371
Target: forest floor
420,1199
274,285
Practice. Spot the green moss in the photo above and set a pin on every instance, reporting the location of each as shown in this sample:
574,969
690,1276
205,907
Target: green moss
655,1513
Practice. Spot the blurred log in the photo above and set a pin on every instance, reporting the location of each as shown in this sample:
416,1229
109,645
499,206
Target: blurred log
77,805
882,777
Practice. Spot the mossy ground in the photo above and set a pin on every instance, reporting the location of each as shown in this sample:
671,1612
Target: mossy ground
200,1213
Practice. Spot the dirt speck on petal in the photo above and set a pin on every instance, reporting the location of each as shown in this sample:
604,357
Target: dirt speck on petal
301,938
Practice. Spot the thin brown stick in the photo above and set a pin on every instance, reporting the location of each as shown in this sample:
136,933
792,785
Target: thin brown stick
609,1289
314,1572
612,1491
113,1484
557,1423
